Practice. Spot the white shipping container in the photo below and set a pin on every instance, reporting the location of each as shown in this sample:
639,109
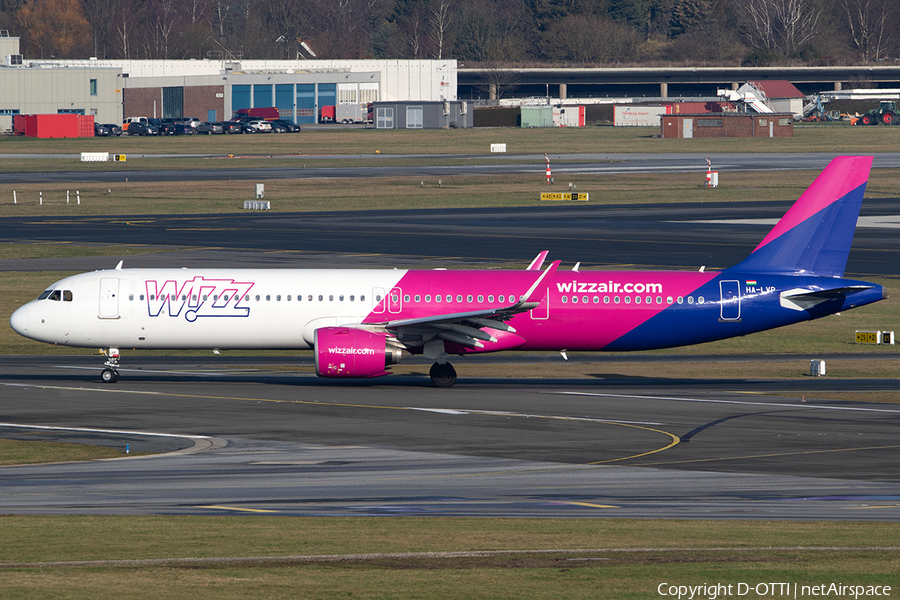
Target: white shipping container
637,116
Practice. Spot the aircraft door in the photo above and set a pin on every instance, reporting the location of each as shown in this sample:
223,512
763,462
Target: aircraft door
109,298
542,311
730,305
395,300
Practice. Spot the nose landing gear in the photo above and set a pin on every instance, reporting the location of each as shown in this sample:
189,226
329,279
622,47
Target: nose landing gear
111,373
442,375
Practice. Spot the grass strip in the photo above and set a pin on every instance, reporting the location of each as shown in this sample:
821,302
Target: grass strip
830,138
17,452
271,557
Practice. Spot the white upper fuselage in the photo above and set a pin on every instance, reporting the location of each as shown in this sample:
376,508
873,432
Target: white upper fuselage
209,308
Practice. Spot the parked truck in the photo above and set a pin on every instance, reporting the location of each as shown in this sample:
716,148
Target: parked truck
267,113
326,114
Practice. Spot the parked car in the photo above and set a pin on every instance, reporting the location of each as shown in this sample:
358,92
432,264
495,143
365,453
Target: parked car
246,127
231,127
277,127
184,129
289,125
114,129
211,127
101,130
142,129
192,121
126,123
164,126
260,126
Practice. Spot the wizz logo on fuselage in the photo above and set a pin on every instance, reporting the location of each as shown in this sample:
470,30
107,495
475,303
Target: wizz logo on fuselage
198,297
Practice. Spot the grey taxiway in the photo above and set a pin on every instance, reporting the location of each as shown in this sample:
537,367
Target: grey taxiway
239,435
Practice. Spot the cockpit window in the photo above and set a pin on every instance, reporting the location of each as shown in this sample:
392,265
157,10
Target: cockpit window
55,295
67,296
45,294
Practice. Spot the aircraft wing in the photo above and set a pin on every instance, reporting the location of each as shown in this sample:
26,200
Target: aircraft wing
465,328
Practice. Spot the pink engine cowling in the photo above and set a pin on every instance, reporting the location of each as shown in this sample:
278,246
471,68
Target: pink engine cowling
349,352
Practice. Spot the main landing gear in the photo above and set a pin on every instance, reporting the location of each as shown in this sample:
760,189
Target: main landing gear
111,373
442,375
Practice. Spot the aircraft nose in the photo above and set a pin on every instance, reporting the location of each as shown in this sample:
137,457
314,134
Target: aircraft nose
19,321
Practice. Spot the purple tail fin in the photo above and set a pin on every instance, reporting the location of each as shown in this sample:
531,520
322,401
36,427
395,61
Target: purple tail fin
814,236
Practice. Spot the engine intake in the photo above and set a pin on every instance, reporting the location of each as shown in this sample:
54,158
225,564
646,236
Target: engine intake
350,352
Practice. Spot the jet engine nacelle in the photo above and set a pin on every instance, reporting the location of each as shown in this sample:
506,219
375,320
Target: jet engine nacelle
349,352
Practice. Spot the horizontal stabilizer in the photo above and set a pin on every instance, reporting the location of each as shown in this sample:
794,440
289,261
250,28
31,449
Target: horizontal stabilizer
802,299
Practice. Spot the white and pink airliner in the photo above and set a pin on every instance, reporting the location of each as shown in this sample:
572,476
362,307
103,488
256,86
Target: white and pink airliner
360,322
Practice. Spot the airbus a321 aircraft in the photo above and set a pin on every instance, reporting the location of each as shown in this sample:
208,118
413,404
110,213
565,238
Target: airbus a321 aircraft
360,322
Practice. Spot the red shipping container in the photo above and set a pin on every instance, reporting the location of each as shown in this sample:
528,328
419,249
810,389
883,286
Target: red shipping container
54,126
85,125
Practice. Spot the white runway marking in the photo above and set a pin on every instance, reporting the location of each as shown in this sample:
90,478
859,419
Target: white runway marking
779,404
882,222
116,431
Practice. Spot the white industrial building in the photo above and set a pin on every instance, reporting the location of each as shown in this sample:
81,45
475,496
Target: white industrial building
210,89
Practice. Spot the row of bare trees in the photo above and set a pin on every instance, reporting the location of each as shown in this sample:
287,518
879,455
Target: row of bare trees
584,32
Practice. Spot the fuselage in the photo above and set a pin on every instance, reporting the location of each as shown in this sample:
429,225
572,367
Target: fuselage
282,308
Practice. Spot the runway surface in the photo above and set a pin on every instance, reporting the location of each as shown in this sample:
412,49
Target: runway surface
256,435
475,164
656,236
287,443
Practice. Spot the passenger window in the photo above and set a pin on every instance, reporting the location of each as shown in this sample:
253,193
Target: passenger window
352,297
268,298
574,299
377,298
331,298
637,299
309,298
565,299
596,299
584,299
459,297
141,297
627,299
321,297
362,298
194,298
257,297
184,297
130,297
427,297
469,298
616,299
406,298
341,297
418,298
278,298
501,299
491,298
288,297
605,299
480,298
